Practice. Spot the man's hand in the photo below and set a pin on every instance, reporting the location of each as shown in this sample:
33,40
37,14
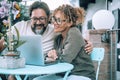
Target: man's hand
1,44
88,46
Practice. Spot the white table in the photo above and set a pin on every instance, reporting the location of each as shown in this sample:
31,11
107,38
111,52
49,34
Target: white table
38,70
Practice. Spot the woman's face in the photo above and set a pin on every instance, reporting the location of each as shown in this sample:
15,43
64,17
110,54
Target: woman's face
60,22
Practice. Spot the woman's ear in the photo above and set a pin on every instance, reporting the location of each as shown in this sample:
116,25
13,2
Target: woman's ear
49,19
69,24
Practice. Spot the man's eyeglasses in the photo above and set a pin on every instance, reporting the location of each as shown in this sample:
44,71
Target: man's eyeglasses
42,19
57,20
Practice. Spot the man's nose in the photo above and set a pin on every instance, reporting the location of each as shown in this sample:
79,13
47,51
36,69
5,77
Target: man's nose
38,21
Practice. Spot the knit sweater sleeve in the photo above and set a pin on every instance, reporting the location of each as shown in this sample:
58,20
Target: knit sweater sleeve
72,46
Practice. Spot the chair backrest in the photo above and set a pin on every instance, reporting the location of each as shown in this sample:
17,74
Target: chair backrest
97,55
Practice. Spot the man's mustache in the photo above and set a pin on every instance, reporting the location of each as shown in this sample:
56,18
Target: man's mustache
37,25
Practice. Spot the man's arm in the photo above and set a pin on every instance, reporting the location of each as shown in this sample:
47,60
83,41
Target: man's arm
88,46
1,44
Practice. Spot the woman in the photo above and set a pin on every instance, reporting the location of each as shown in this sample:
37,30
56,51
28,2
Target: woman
69,45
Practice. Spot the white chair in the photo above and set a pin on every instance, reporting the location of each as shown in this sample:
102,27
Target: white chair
97,55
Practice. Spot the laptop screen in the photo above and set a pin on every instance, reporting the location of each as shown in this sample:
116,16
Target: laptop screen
32,50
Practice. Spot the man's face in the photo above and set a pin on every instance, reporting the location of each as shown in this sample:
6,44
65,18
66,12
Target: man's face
38,19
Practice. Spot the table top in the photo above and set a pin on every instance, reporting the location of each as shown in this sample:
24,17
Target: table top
37,70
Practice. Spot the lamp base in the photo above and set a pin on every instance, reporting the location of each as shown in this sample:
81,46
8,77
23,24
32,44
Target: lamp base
11,62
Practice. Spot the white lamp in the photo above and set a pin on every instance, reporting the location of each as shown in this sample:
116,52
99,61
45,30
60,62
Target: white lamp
103,19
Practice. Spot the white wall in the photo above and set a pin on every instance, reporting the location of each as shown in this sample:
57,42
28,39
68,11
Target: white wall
100,4
114,5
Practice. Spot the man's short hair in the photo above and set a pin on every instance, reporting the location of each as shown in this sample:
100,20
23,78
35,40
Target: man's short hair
39,5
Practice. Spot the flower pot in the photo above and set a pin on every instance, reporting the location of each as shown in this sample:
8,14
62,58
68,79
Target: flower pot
14,54
11,60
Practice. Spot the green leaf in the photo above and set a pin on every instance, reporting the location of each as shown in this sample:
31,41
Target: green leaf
1,35
18,35
17,42
20,43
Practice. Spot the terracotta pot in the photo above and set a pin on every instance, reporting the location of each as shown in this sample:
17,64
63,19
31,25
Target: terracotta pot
15,54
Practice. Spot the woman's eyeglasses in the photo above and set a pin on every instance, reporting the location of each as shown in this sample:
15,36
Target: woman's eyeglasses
57,20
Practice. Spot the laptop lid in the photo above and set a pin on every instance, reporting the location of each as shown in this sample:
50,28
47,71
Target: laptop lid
32,50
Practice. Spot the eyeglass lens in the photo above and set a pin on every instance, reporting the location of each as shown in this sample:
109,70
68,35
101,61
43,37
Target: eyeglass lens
57,20
40,19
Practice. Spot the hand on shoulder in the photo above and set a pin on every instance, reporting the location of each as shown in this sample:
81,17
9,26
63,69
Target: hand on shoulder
88,46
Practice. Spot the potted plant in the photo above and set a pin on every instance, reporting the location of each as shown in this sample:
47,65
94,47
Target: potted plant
11,43
11,56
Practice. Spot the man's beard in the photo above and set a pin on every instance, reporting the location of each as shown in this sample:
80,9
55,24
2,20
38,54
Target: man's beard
39,31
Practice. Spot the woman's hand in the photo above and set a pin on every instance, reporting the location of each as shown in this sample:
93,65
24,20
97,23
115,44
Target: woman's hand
88,46
52,55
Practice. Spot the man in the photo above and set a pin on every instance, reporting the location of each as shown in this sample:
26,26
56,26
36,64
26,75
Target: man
38,25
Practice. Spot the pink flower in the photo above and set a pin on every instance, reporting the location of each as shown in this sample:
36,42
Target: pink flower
4,9
5,22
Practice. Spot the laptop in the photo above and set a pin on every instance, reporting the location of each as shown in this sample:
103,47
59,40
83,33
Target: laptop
32,50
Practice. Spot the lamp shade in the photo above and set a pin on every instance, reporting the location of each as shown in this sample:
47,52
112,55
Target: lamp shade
103,19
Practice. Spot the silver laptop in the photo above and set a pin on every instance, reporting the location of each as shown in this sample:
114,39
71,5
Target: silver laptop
32,50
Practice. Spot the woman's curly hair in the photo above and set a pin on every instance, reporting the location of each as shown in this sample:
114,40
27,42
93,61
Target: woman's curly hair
80,15
68,12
